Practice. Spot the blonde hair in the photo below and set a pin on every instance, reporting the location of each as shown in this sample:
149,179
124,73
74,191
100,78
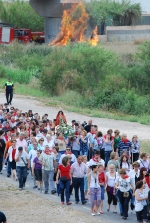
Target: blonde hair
83,157
112,155
111,166
85,132
100,164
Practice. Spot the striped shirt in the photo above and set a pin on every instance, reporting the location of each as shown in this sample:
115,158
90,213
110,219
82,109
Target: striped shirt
124,146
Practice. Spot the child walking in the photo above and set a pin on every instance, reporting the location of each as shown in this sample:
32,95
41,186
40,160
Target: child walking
101,179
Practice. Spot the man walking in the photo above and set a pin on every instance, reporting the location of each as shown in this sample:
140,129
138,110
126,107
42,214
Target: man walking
78,171
48,161
9,87
22,163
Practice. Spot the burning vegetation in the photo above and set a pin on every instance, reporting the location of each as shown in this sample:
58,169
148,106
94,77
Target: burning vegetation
73,26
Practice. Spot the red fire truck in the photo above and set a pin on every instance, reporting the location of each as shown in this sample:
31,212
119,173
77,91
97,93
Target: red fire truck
8,34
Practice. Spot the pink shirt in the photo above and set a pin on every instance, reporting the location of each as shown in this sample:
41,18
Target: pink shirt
22,143
78,171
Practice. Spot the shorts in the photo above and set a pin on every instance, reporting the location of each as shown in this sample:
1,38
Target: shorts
38,174
13,165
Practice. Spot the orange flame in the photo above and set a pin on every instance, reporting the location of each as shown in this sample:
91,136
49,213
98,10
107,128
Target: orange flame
94,37
73,25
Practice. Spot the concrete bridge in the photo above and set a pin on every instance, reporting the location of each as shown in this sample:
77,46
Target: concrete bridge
52,11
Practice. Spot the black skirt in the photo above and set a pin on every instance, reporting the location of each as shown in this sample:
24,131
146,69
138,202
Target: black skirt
38,174
13,165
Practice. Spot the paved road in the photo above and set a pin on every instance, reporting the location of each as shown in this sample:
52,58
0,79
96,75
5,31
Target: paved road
131,128
107,216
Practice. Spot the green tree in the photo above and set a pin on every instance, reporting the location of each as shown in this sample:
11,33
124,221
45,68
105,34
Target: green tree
21,14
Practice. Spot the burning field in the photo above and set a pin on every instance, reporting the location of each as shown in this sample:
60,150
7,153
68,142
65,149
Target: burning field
75,22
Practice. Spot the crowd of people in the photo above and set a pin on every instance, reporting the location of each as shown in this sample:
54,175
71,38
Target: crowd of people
97,164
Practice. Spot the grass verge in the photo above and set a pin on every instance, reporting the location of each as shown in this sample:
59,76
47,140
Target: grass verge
70,101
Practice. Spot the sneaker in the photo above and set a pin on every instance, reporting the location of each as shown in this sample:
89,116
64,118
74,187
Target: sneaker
1,173
84,202
20,189
62,203
45,192
35,186
69,203
93,214
39,188
8,175
53,192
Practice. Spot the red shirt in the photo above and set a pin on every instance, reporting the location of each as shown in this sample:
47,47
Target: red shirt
13,154
64,171
101,177
147,178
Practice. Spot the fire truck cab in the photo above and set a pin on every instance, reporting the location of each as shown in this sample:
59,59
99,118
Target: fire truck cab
23,35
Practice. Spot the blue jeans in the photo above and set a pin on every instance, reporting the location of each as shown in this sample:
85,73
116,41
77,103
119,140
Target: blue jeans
120,206
8,167
107,157
66,187
82,153
48,179
22,175
78,183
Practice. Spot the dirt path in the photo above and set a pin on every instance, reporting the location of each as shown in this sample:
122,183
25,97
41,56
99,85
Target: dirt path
26,207
131,128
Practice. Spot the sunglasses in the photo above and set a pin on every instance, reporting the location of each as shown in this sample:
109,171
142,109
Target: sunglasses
68,149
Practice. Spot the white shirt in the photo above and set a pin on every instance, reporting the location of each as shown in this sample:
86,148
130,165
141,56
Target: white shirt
111,180
10,153
92,162
132,174
50,144
32,155
124,185
73,159
25,157
94,183
21,143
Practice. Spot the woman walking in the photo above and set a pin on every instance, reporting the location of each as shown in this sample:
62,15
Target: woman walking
135,149
94,190
124,186
140,203
124,164
117,139
65,179
83,143
114,160
11,155
101,179
37,170
111,176
108,147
